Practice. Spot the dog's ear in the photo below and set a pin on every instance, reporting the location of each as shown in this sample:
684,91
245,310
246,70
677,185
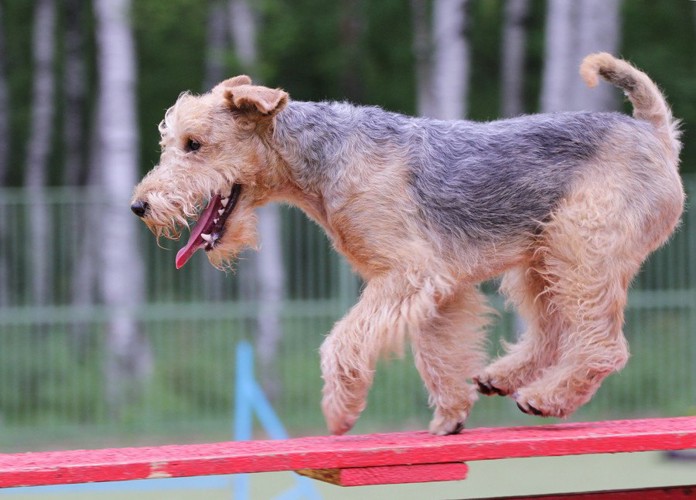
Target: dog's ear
255,101
230,83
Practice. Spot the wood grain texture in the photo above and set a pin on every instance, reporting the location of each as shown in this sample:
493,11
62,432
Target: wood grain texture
330,452
389,474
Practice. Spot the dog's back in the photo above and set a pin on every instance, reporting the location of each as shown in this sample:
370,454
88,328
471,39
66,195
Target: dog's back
490,181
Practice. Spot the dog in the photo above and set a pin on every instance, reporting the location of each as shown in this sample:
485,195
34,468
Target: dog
565,207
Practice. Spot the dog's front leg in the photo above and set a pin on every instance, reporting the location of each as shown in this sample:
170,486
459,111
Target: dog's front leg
348,357
389,306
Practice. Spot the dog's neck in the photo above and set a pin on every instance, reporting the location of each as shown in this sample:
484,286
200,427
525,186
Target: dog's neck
308,138
308,144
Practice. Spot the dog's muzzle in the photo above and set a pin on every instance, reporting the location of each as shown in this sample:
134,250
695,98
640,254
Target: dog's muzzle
139,208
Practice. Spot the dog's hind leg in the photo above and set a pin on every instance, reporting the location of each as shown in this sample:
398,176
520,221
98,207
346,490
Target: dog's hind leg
593,250
527,289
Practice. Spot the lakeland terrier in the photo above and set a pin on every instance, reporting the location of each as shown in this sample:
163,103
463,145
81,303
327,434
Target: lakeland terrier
564,206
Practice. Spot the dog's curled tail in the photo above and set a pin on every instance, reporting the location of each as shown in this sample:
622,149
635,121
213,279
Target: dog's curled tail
648,102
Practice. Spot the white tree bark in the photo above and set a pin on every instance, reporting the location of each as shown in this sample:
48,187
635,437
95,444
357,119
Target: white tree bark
243,28
559,55
573,30
268,266
513,57
451,59
270,271
216,44
422,51
39,145
43,45
129,362
599,30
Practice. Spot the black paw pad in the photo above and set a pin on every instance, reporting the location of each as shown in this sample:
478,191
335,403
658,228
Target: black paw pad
488,389
457,428
530,410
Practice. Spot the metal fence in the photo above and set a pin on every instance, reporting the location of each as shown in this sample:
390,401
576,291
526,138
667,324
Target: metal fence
52,350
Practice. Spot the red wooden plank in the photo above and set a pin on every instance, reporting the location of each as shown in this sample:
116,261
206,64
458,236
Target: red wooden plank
328,452
664,493
389,474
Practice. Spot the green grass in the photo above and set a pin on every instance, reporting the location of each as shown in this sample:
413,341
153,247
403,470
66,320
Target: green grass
50,392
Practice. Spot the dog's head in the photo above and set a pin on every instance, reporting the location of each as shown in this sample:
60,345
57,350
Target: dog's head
214,169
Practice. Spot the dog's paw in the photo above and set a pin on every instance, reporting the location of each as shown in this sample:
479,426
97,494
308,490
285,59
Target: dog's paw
506,375
338,421
339,426
443,425
488,386
538,405
341,406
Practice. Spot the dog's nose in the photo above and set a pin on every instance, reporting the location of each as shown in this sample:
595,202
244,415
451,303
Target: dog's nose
139,208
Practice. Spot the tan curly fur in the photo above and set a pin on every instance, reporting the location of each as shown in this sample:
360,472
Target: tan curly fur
565,207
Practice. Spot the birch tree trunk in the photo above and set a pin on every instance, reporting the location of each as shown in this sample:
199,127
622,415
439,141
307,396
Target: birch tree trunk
243,28
559,55
451,59
422,51
267,263
39,146
128,362
573,30
4,163
216,44
270,271
598,30
513,56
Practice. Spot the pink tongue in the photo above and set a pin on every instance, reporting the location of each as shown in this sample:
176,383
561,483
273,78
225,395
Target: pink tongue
195,241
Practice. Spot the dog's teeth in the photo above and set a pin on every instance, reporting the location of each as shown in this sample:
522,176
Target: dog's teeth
215,221
207,237
224,201
221,211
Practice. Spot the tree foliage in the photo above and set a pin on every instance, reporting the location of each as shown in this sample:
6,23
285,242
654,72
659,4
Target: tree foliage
357,50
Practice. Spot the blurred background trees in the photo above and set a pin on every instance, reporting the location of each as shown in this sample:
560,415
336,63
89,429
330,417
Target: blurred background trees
83,84
390,53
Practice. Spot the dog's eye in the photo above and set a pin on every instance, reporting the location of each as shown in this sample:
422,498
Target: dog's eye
193,145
